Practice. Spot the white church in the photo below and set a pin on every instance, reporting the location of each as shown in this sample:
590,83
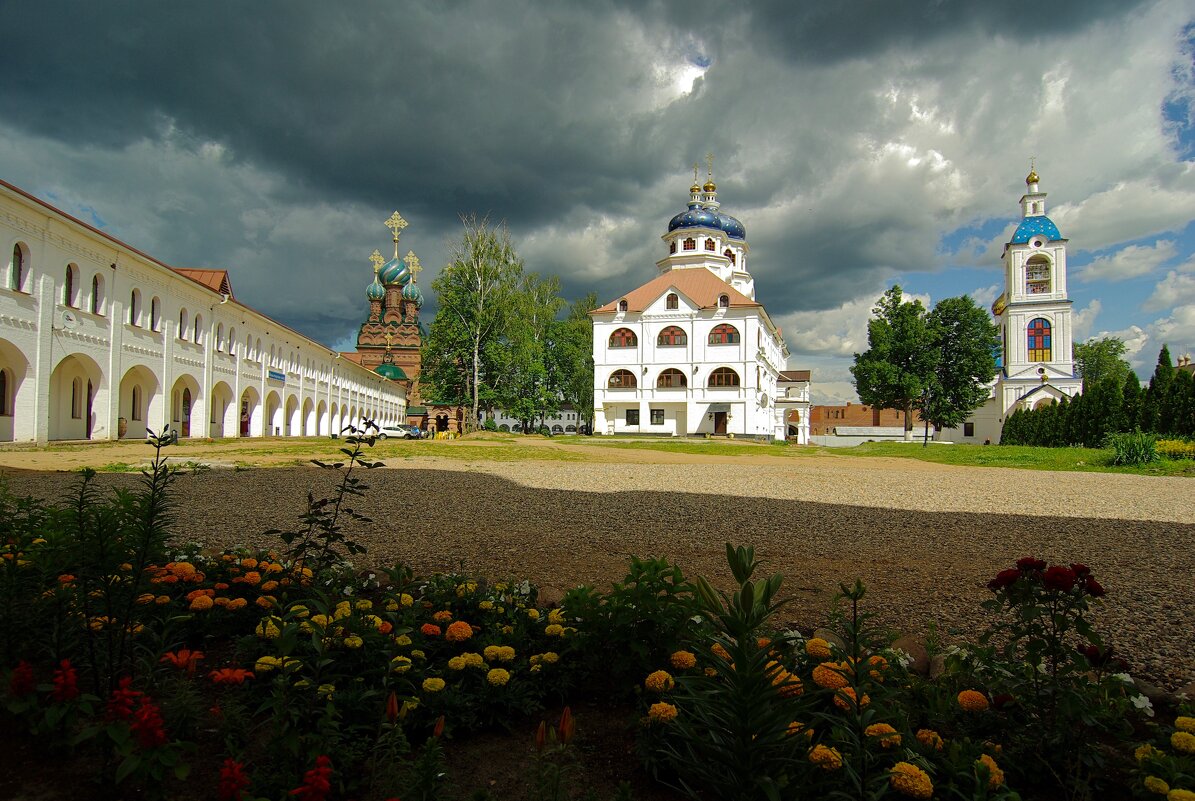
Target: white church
1034,367
692,352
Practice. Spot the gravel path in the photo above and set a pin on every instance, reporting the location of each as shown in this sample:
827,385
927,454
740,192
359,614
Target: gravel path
925,538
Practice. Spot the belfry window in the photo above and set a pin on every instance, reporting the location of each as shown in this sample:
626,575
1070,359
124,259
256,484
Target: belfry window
672,301
1037,276
724,301
711,245
1039,340
690,244
671,337
623,338
672,247
622,305
724,334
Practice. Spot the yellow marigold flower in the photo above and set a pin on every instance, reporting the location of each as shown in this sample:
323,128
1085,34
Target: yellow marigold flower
418,653
551,657
710,672
267,629
797,727
491,652
1155,785
473,660
400,664
554,630
661,713
972,701
930,738
1180,795
888,736
825,757
498,677
1183,741
353,641
392,605
321,620
846,699
406,600
910,780
457,663
364,605
463,589
201,603
556,616
267,663
818,648
1183,723
830,675
305,627
486,606
533,614
659,682
326,690
402,639
433,685
536,668
995,775
682,660
300,611
1145,752
507,629
717,650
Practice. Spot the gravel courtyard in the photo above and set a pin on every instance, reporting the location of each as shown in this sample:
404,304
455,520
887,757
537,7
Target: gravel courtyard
925,538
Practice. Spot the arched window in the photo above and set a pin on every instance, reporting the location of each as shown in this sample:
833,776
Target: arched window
232,342
671,379
5,407
724,377
135,411
724,334
672,301
623,338
258,351
690,244
135,307
1039,340
68,288
672,247
220,337
77,398
730,255
184,324
1037,276
622,379
199,329
97,294
711,245
155,315
672,336
17,274
724,301
622,305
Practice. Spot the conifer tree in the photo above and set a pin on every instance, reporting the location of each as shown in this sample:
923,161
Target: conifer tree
1130,407
1151,406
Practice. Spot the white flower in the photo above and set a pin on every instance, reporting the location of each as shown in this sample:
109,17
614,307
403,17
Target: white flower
1123,677
1143,703
903,657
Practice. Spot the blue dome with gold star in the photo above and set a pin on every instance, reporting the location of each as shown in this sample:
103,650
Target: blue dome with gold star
1032,226
733,227
394,272
697,217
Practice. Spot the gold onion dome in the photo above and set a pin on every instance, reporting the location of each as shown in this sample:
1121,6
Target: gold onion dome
696,187
709,186
1031,178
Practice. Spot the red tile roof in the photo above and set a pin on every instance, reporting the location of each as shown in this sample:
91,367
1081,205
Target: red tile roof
697,284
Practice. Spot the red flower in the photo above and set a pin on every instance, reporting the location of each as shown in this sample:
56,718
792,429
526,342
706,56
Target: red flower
184,659
1005,578
66,682
23,682
1081,570
392,708
430,629
147,724
1093,587
567,725
1027,563
230,675
438,729
1096,656
317,782
1058,577
233,781
120,705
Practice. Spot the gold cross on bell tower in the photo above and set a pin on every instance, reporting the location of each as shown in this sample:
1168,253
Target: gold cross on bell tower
413,266
396,223
377,260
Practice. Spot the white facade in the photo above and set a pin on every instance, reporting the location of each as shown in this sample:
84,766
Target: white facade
793,402
565,421
1034,317
691,352
97,338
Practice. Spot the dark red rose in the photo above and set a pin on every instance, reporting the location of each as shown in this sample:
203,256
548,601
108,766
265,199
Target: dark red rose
1005,578
1058,577
1081,570
1027,563
1002,700
1093,587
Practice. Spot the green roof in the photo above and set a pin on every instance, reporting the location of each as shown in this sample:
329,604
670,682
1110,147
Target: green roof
416,410
391,371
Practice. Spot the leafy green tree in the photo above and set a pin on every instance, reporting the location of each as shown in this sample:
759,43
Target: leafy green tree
964,338
1100,359
572,354
898,365
529,390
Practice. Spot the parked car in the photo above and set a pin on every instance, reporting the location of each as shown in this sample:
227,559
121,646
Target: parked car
398,432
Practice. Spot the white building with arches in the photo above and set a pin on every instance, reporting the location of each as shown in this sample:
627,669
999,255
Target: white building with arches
691,352
1035,365
101,341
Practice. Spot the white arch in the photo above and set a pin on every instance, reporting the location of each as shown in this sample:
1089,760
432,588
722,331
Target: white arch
138,412
250,414
273,414
308,418
16,416
78,391
185,398
222,422
293,422
323,426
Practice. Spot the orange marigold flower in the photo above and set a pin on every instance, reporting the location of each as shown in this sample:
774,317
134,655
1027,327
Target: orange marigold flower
661,712
222,601
430,630
825,757
201,603
193,594
659,682
910,780
181,569
888,736
797,727
162,599
818,648
65,578
458,631
252,577
145,598
719,651
682,660
220,585
269,586
442,616
763,642
972,701
237,603
878,664
995,775
249,563
830,675
930,738
846,699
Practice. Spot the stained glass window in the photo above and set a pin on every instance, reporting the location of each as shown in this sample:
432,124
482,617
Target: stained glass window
690,244
1039,340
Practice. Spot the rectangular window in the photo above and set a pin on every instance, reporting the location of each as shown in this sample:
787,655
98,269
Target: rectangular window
632,417
657,417
968,429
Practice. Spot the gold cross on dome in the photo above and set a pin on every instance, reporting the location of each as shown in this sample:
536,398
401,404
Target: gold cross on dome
413,265
695,173
709,160
1033,164
377,260
396,223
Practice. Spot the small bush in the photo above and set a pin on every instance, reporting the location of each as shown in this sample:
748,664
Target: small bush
1136,448
1176,449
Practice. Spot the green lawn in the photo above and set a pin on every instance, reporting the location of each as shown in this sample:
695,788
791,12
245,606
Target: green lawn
1029,458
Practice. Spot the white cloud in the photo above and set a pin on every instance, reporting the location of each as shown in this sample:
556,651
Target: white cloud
1176,289
836,332
1083,320
1129,262
984,296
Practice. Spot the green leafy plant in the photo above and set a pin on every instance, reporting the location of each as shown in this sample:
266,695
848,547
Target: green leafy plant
1131,449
